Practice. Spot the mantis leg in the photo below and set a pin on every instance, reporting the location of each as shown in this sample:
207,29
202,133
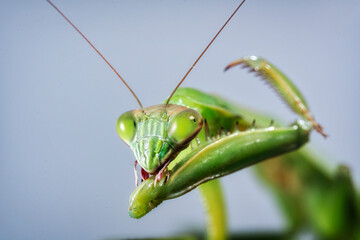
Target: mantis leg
215,206
310,193
136,175
231,152
217,158
282,84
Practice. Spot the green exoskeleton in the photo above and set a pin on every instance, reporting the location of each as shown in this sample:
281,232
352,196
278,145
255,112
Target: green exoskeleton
227,141
158,134
194,138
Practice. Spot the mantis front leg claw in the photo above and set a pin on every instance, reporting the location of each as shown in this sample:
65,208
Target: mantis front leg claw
159,175
282,85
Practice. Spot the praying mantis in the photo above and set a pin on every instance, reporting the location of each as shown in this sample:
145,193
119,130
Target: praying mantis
220,131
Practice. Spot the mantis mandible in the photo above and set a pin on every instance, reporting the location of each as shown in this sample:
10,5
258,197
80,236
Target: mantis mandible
195,137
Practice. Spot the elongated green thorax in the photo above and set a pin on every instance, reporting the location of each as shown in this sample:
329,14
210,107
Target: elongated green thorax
156,135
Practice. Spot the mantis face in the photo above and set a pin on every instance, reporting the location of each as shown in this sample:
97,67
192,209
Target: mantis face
156,136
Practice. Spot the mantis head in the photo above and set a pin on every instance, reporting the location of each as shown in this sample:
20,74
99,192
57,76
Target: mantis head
156,136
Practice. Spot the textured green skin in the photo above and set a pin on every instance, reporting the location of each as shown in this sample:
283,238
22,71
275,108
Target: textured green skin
154,143
310,193
216,158
317,197
278,80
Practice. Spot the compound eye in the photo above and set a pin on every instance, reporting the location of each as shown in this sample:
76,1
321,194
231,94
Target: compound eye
126,126
184,126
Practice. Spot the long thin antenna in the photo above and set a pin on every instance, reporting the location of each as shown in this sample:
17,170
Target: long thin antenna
97,53
182,80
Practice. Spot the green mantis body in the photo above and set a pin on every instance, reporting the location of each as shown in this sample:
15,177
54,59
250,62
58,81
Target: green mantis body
227,142
158,134
196,138
309,194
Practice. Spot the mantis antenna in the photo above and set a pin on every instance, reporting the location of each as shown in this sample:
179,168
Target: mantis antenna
187,73
142,109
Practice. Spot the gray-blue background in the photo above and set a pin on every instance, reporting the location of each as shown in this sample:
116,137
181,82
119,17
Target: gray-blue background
65,174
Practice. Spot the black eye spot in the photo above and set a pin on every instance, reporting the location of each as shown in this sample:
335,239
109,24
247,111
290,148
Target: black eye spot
134,124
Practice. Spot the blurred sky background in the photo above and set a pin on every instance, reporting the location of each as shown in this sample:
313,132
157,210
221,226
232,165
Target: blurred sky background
64,172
